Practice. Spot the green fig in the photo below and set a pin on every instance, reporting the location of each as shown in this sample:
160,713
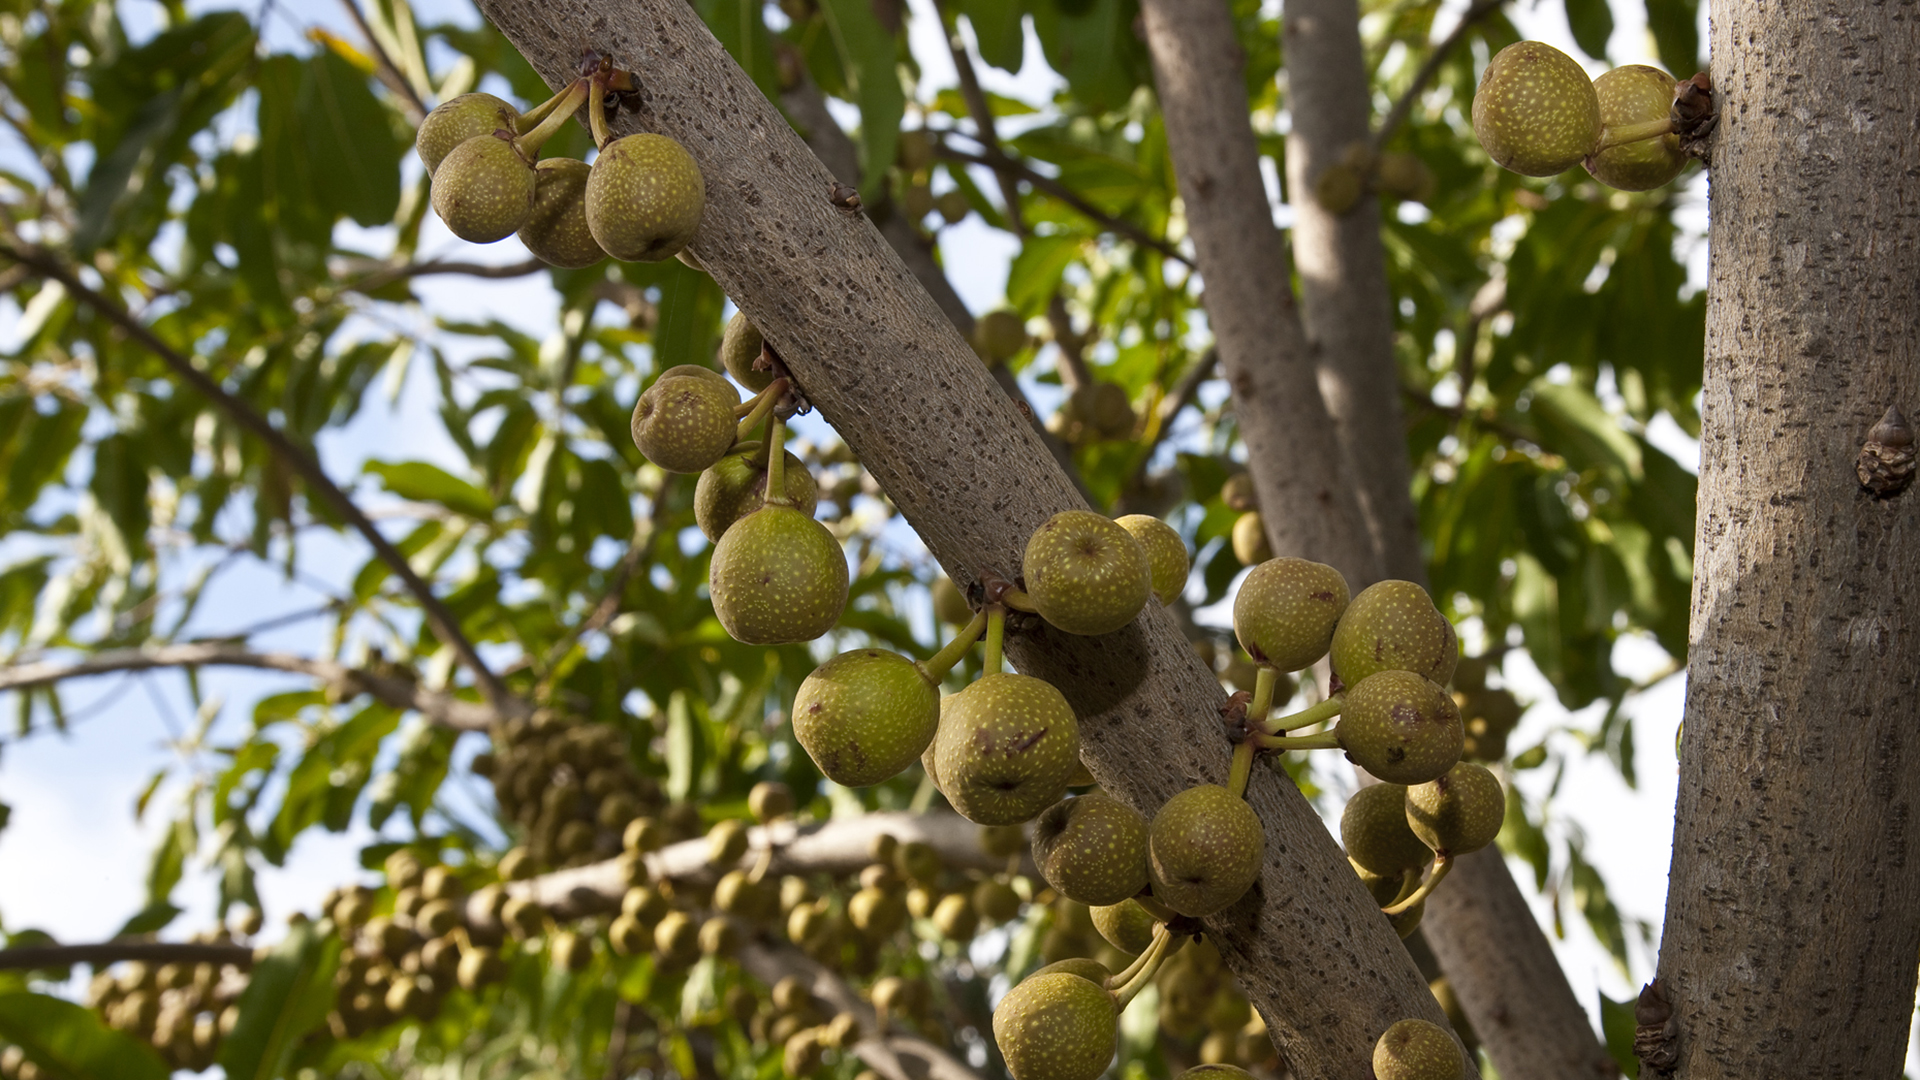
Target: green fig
1400,727
1287,610
1006,748
1109,413
995,901
1250,544
736,486
1056,1026
644,198
1636,95
1216,1071
556,230
1167,559
1204,850
1383,888
1394,625
777,577
702,371
949,603
1126,925
1087,968
1237,492
953,206
1092,848
1000,334
877,912
1417,1050
683,424
769,799
456,120
1374,829
1458,812
740,347
484,190
1086,574
1536,112
865,716
955,918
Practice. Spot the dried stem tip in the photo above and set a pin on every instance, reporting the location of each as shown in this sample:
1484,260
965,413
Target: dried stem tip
1886,461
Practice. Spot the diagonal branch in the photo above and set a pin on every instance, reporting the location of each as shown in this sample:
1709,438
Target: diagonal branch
294,457
396,690
994,159
891,1054
383,66
379,273
1403,106
109,952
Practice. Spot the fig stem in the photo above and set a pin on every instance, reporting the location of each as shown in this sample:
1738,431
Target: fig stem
1154,907
936,666
1017,599
758,408
1409,881
1262,704
529,144
1325,740
1632,133
996,635
532,117
1119,978
597,114
777,463
1165,944
1312,714
1242,766
1441,864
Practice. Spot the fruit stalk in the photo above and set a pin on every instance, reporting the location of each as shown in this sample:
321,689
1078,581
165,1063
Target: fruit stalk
996,636
1242,765
597,114
1017,599
1312,714
936,667
532,117
1441,864
755,409
1632,133
529,143
777,462
1165,944
1262,704
1154,907
1325,740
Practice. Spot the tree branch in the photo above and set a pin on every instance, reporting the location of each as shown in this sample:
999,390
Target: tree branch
994,159
109,952
881,363
381,273
300,461
1403,105
982,113
1182,396
395,690
384,67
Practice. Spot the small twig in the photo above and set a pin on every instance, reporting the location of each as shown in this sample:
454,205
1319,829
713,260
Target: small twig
388,274
301,462
993,159
982,114
1403,106
385,68
109,952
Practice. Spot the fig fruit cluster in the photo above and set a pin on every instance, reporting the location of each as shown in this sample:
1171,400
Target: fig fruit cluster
1537,113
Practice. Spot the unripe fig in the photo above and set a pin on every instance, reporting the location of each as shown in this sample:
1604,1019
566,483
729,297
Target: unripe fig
683,423
726,842
865,716
1204,847
777,577
953,206
1286,612
1056,1027
1249,539
676,938
736,486
1374,829
1167,560
1003,841
1636,94
456,120
1126,925
1400,727
556,229
1092,848
740,347
1086,574
949,603
1216,1072
1416,1050
1458,812
917,202
1536,111
1405,176
644,198
916,149
769,799
917,861
955,917
1108,411
1237,492
1091,970
996,901
1006,747
719,936
1000,334
484,190
1394,626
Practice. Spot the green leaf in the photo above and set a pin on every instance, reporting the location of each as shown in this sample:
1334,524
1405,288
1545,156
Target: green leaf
1520,836
867,53
351,146
422,482
686,749
155,916
998,25
288,994
1592,23
1576,426
1037,270
69,1042
1676,30
1095,48
1618,1025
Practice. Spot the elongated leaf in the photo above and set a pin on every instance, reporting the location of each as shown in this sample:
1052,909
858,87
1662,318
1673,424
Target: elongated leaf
1676,30
1617,1026
998,25
155,916
68,1042
288,994
867,52
1580,429
422,482
1592,24
350,141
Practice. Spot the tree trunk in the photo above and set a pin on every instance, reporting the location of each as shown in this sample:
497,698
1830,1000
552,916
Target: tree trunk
1791,924
882,363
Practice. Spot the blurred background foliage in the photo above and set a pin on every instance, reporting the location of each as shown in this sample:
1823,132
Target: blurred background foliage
261,211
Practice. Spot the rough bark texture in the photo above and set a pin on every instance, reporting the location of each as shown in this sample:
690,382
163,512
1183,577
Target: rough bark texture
1507,979
881,362
1479,926
1295,460
1791,925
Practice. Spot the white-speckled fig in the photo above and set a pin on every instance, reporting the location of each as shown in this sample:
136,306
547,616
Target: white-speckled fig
1286,611
1535,111
1400,727
1056,1026
865,716
1205,847
1394,626
1086,573
1006,748
456,120
645,198
483,190
1092,848
778,577
556,230
1167,557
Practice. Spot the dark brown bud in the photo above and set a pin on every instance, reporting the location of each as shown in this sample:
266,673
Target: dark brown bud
1886,461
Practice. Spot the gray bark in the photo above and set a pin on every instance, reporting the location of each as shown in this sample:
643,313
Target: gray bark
1297,467
881,362
1343,277
1791,924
